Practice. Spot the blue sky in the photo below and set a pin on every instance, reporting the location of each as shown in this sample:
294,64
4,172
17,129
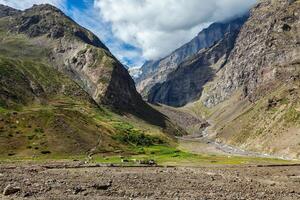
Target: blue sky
140,30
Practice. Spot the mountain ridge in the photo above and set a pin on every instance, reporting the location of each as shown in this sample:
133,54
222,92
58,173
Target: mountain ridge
185,84
161,68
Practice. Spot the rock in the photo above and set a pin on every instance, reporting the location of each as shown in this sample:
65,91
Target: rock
102,186
286,27
272,103
148,162
27,194
10,189
78,189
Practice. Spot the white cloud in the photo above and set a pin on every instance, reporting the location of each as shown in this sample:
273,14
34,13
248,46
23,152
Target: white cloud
24,4
160,26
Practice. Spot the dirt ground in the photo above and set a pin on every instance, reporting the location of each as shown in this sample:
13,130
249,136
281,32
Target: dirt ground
37,181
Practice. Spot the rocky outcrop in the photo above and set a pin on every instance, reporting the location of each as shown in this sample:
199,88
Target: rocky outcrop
267,49
186,83
156,72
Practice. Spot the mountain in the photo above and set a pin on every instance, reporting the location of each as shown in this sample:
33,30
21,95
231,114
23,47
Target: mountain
62,92
185,84
156,72
253,100
7,11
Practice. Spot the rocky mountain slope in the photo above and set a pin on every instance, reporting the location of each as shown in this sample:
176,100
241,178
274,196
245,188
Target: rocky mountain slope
77,53
156,72
253,102
185,84
271,53
63,93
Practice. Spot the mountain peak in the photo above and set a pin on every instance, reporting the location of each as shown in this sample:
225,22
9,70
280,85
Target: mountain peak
47,20
7,11
44,7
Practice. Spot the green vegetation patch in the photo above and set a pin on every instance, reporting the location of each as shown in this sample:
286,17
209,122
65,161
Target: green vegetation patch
166,155
127,134
292,116
2,110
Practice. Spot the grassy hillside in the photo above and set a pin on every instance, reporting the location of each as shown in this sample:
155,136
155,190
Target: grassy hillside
270,125
45,113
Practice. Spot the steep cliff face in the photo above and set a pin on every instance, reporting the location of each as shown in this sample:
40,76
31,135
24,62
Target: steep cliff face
253,102
266,50
185,84
155,72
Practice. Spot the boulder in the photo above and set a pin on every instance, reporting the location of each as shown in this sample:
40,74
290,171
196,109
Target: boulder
10,189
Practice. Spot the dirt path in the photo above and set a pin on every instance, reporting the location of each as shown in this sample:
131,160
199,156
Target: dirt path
222,183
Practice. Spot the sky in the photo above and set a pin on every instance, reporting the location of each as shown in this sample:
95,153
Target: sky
140,30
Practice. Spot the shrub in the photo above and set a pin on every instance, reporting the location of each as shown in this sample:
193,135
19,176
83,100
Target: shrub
45,152
39,130
138,139
128,135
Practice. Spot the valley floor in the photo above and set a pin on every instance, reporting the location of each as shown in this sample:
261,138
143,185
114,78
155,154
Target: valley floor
43,181
199,141
198,168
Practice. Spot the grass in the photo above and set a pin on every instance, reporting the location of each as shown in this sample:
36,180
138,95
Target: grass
292,116
2,110
17,46
36,129
161,154
165,155
127,134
